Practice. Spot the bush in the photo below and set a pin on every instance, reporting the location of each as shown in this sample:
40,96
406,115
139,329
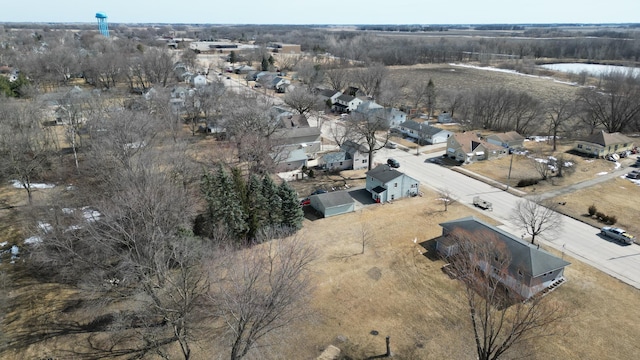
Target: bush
527,182
592,210
311,173
600,215
612,220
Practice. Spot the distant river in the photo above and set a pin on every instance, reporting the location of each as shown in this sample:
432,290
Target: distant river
593,69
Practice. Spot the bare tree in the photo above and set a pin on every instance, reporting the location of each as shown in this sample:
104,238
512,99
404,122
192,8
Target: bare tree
364,128
263,291
370,79
302,100
310,72
499,321
559,113
339,132
537,216
337,77
446,197
24,144
616,105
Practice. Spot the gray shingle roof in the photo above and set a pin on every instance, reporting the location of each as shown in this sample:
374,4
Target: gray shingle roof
524,256
334,198
384,173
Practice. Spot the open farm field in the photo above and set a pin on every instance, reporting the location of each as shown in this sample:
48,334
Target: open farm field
449,77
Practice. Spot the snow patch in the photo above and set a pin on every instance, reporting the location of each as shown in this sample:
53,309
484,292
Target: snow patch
33,240
602,173
4,243
20,185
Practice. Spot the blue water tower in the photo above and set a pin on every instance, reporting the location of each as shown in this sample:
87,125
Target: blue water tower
102,24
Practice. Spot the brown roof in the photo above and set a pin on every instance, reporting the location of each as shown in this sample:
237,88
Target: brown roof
605,139
508,136
469,141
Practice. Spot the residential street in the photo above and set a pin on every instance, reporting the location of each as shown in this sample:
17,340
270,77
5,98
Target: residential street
576,239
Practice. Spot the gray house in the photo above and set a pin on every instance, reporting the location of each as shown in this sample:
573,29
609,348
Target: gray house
333,203
357,153
391,117
509,140
386,184
424,133
307,138
329,95
530,269
289,158
339,160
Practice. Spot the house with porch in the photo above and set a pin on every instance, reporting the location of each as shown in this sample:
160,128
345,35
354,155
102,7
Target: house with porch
509,140
346,103
601,144
530,270
386,184
357,153
424,133
467,147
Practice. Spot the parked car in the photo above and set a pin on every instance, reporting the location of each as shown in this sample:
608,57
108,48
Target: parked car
305,202
393,163
319,191
392,145
617,234
635,174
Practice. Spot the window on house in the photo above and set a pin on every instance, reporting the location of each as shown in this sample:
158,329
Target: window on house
393,197
395,184
340,163
364,161
579,146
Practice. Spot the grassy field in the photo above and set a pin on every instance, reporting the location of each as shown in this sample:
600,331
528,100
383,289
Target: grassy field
397,288
613,197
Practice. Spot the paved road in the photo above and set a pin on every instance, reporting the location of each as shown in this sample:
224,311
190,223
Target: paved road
575,238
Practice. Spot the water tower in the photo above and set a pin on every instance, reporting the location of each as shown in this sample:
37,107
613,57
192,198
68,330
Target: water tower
102,24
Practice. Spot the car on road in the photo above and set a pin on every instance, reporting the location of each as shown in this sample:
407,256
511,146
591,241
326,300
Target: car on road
393,163
617,234
392,145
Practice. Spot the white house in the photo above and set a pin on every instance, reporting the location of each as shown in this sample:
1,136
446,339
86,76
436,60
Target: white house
199,80
386,184
424,133
346,103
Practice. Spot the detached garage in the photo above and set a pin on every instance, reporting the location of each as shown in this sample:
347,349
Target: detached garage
333,203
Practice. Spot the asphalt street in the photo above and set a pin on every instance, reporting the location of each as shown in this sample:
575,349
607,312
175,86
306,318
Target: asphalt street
574,238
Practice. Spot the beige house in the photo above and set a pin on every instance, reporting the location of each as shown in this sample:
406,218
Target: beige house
467,147
602,144
511,140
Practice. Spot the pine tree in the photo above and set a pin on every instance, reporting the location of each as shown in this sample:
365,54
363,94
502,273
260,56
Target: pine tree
292,214
258,210
273,201
231,214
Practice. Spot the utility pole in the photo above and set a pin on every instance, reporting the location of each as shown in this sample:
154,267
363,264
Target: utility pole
419,141
509,175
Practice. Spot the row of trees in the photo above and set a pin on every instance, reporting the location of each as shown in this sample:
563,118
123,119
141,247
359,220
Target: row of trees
246,209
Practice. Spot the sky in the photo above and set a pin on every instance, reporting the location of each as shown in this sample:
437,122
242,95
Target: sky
325,11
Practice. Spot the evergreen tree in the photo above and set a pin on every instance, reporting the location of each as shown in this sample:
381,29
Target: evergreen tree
292,213
258,210
274,203
231,214
265,64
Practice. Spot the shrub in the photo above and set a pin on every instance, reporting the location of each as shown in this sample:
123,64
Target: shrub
592,210
612,220
599,215
311,173
527,182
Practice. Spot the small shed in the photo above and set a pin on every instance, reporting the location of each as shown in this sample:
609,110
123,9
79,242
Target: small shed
333,203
